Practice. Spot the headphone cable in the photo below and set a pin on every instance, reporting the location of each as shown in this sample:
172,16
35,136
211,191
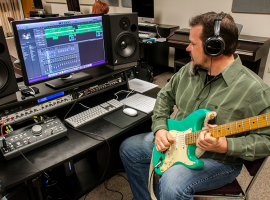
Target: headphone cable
206,84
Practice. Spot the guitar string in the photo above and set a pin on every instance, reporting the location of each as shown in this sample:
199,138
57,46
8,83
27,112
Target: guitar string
233,126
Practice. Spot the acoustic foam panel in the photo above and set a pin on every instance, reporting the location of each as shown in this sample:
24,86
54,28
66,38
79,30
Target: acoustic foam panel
251,6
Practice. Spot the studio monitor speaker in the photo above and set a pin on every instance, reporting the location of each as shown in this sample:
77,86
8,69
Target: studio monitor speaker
122,39
8,83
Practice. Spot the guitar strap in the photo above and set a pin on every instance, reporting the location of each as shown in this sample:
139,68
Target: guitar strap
150,181
210,118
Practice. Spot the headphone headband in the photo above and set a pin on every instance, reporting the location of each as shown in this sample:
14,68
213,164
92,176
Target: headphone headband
218,20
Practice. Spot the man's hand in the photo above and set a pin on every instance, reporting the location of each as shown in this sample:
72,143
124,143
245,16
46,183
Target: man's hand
209,143
163,140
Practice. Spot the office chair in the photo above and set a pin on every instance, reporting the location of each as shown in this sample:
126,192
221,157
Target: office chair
233,189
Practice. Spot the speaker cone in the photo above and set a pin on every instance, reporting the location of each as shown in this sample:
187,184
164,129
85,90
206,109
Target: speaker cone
3,74
124,23
126,45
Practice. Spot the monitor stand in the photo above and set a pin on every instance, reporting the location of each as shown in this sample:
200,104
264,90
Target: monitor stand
73,78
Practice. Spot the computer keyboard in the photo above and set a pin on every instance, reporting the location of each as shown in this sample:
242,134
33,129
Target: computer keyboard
146,34
94,113
140,102
146,24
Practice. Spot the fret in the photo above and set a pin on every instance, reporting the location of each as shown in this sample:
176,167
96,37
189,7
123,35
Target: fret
231,128
243,125
221,131
267,119
249,124
226,129
236,127
258,122
213,129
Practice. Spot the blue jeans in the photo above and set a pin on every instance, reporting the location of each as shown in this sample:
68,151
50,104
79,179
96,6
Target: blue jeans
178,182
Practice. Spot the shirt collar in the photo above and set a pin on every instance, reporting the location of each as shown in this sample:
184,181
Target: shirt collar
229,74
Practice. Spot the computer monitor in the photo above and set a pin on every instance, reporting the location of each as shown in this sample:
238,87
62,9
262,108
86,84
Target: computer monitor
145,10
55,48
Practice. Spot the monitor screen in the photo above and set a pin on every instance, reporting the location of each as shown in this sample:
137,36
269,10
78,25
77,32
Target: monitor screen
145,9
55,47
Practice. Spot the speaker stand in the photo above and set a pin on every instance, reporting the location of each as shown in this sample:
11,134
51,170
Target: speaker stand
122,66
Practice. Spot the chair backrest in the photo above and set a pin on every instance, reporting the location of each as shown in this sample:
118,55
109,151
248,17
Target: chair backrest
254,166
10,19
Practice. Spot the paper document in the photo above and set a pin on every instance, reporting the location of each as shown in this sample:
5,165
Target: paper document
140,86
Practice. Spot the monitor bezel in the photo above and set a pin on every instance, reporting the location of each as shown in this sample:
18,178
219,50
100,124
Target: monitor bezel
19,49
143,18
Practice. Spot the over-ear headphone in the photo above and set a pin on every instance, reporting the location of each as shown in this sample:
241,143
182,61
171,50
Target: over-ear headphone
214,46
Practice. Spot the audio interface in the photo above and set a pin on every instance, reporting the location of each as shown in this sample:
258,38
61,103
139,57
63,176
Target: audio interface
33,136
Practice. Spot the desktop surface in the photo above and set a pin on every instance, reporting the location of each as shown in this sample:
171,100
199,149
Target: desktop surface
74,145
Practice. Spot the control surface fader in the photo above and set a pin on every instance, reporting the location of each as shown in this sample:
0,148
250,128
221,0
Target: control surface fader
33,136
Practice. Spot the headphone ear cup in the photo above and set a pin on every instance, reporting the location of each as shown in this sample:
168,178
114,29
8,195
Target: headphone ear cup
214,46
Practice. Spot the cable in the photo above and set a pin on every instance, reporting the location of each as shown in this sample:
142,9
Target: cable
86,133
157,31
127,97
83,105
45,174
3,122
157,166
132,91
105,185
33,91
209,86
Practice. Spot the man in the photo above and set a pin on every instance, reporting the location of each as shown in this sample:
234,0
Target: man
220,83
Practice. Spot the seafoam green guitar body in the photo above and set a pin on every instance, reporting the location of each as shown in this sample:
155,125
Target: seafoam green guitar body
179,153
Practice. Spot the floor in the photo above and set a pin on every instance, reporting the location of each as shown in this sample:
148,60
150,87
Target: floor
119,183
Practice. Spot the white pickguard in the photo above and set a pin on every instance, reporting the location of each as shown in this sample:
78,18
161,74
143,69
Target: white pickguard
177,151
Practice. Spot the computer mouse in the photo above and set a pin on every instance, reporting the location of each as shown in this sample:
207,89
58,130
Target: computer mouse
130,111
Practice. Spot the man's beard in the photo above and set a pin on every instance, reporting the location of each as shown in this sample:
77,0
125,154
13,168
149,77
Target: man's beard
193,68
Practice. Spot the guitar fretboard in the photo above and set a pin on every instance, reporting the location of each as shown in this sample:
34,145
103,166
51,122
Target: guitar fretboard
232,128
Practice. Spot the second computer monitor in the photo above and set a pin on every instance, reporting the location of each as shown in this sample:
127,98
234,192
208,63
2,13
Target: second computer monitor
145,10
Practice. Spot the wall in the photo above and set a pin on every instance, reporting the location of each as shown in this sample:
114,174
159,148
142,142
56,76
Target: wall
85,9
178,12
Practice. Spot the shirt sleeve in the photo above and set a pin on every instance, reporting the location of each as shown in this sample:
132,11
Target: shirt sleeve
256,143
164,104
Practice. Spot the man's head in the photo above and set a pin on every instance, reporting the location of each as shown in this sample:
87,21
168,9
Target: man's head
202,27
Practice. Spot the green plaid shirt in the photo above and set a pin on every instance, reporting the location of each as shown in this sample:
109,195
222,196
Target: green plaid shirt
236,93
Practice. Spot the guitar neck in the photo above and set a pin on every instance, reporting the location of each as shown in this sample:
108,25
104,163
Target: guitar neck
232,128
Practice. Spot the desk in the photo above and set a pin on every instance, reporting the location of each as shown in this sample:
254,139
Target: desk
157,54
46,15
75,146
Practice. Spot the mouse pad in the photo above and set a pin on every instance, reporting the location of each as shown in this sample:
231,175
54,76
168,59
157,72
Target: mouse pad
120,119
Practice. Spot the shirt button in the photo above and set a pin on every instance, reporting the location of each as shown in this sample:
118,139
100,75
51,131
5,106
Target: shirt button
216,107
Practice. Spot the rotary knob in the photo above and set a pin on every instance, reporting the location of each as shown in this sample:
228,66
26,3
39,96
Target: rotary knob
37,129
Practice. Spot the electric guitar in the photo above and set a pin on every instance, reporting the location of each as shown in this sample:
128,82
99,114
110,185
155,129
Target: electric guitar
186,132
